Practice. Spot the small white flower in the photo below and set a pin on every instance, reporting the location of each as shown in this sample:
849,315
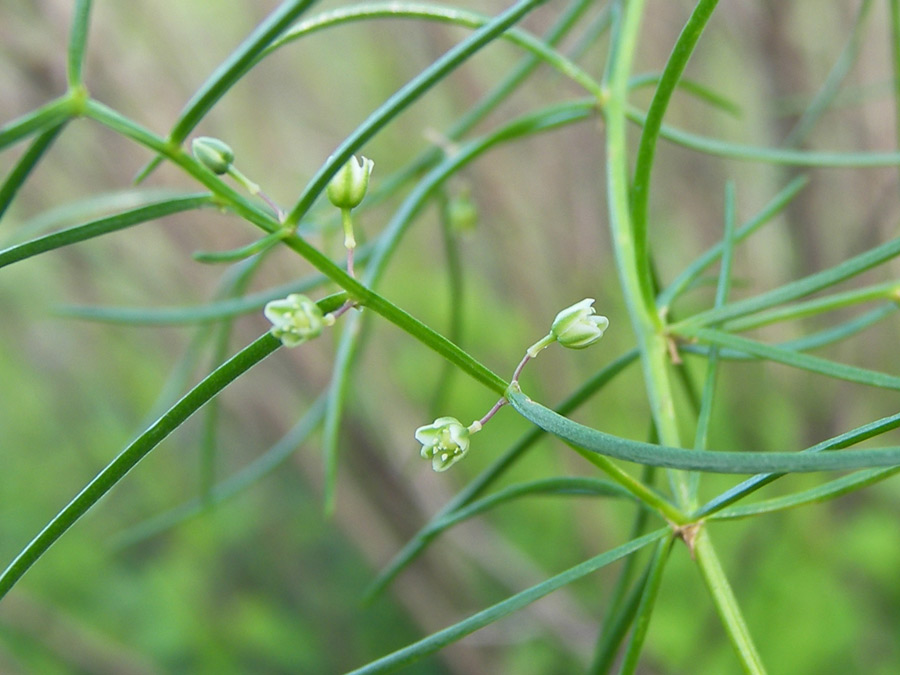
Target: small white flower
579,326
295,319
444,442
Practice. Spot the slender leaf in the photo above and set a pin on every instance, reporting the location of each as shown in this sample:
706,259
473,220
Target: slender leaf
26,164
796,359
441,639
830,88
885,291
78,42
726,604
558,487
115,471
679,458
46,117
796,289
645,607
640,185
404,97
102,226
841,441
231,486
820,493
695,269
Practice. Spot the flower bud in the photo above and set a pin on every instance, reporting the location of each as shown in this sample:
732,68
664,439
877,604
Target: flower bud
348,186
295,319
212,153
461,214
444,442
579,326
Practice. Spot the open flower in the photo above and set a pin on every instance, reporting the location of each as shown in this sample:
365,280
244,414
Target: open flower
579,326
348,186
295,319
444,442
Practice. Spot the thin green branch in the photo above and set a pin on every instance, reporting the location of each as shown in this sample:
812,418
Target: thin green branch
796,359
884,291
230,71
821,493
104,481
645,607
635,487
101,226
78,43
794,290
46,117
704,416
845,440
442,638
726,604
26,164
405,96
778,156
557,487
640,187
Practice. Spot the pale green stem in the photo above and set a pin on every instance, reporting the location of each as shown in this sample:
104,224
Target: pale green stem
726,604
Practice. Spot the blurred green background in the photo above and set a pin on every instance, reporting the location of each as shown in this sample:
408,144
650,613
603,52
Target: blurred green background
265,583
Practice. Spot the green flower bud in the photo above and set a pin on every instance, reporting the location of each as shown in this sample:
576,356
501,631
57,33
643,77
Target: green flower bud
213,154
579,326
348,186
461,214
444,442
295,319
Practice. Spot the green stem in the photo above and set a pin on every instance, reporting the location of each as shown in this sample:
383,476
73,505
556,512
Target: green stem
26,163
726,604
640,193
645,608
647,495
46,117
78,43
644,318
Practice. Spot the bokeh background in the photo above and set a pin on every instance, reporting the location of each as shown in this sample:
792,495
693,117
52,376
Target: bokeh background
265,582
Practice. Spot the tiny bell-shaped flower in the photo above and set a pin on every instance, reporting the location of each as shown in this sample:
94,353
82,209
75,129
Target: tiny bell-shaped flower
445,441
575,327
347,188
295,319
579,326
212,153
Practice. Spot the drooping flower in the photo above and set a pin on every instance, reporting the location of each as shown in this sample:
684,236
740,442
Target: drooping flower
295,319
575,327
445,441
579,326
